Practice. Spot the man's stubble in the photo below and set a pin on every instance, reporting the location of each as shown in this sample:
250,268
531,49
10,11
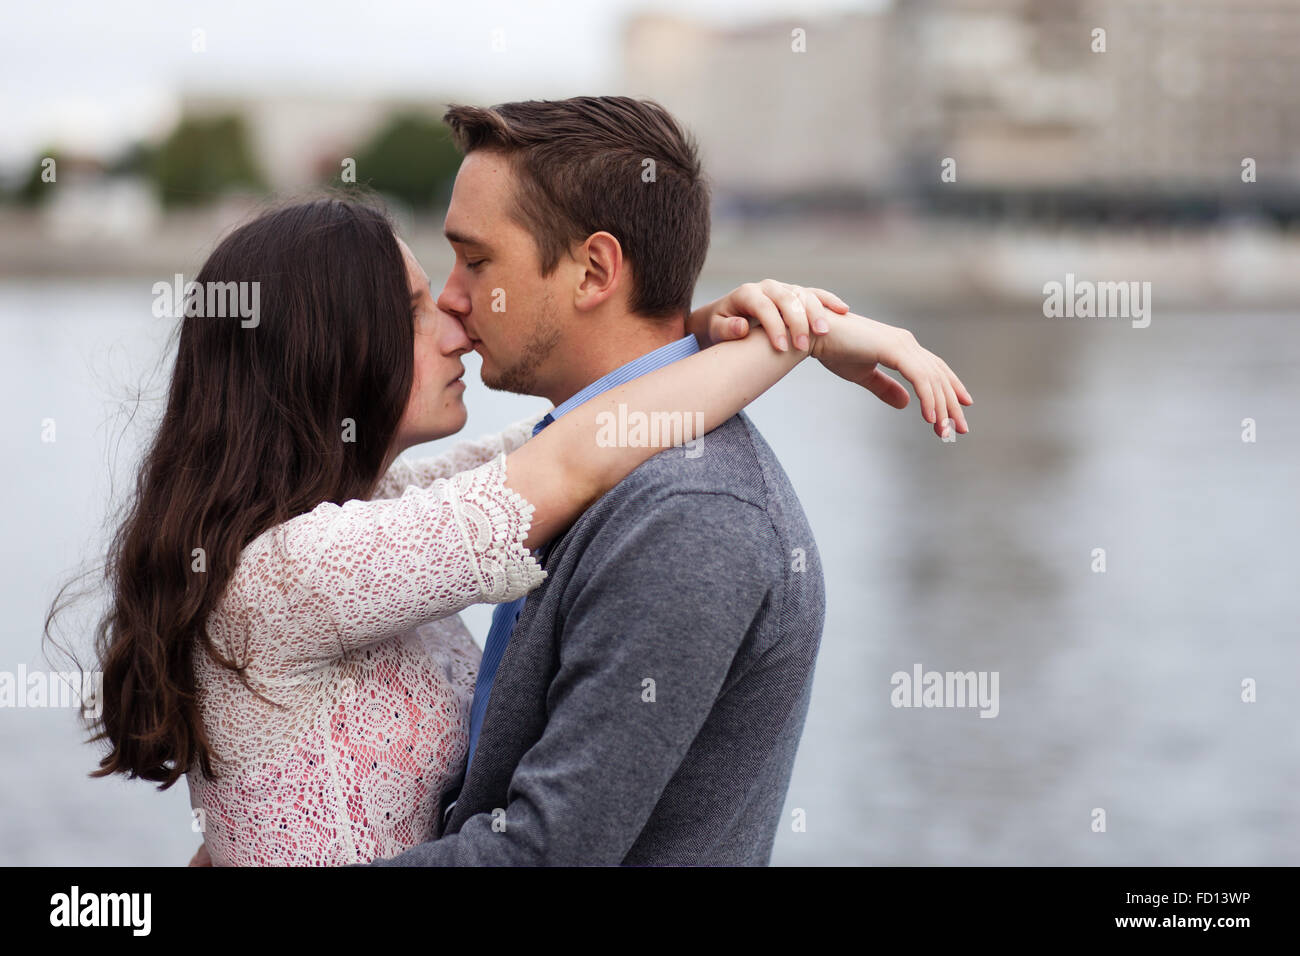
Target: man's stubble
522,378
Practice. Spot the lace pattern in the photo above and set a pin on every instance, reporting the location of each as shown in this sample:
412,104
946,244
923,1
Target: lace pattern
355,716
463,456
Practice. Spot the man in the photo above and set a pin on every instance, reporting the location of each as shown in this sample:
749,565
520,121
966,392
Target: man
644,705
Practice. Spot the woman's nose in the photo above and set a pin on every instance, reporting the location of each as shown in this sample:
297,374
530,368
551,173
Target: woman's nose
452,337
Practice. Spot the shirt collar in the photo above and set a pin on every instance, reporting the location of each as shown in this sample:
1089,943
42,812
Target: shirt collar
664,355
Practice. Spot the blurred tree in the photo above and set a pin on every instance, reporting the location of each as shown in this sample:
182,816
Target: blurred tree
412,158
204,157
33,188
138,159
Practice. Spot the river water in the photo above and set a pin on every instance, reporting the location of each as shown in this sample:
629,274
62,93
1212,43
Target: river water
1118,690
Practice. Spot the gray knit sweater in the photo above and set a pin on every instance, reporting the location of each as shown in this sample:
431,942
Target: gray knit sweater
650,701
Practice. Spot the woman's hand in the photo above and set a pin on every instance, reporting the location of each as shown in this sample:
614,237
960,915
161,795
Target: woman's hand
788,313
854,351
856,346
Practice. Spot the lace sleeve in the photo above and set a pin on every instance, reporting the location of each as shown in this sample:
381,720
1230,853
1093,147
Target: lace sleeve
367,570
421,472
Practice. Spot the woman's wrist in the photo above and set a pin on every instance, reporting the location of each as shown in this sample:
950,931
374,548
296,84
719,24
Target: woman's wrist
850,335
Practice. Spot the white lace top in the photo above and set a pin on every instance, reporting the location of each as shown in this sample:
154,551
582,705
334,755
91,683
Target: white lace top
346,618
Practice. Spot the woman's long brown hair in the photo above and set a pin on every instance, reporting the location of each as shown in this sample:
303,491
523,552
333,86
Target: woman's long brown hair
254,433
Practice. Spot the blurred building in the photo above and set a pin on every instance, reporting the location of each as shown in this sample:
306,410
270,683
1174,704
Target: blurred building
1167,102
1023,96
1006,90
770,119
1198,85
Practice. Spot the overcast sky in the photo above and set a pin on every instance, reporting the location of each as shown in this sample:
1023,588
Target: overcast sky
91,75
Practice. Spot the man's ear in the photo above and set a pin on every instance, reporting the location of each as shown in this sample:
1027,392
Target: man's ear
603,271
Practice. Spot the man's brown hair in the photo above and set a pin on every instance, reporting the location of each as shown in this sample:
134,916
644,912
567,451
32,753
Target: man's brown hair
603,163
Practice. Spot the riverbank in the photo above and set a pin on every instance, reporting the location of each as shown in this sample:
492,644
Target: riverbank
936,263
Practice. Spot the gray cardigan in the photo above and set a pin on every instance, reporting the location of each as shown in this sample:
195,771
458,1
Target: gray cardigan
650,701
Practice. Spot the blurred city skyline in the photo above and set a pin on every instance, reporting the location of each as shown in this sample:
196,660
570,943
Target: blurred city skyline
973,106
941,149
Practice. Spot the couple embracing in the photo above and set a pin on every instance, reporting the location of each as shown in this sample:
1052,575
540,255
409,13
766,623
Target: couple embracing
643,687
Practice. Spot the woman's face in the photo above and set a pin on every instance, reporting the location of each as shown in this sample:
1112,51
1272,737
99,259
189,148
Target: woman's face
436,407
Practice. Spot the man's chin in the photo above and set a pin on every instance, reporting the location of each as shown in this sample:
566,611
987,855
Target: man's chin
505,382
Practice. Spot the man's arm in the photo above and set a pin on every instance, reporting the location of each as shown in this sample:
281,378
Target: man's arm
670,602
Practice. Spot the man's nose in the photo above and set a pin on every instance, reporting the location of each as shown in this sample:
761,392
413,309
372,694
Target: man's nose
453,299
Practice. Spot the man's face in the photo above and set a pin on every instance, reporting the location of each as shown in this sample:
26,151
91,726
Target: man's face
510,312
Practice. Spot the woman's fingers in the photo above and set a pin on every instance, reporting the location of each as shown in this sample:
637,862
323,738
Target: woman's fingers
788,313
948,386
962,392
929,391
952,408
940,392
817,311
830,300
793,312
819,304
887,389
925,394
773,322
943,415
751,300
723,327
941,419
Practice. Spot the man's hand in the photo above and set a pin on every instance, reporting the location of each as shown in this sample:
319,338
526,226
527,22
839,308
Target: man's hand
201,858
856,346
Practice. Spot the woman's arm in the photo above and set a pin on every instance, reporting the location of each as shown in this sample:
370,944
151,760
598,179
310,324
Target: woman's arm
368,569
345,576
853,353
571,463
785,312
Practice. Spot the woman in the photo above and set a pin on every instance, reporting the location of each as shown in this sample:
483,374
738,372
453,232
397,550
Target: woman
282,628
